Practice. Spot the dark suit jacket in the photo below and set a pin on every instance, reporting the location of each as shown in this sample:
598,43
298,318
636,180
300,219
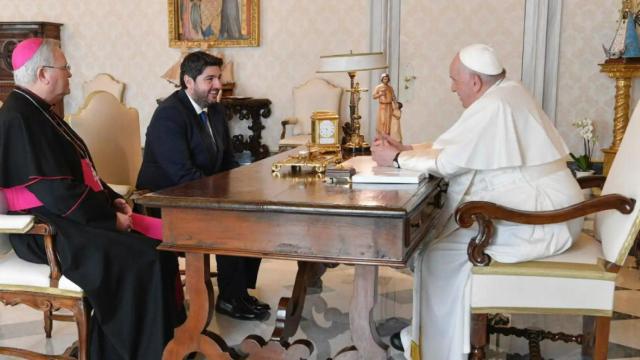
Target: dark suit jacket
178,147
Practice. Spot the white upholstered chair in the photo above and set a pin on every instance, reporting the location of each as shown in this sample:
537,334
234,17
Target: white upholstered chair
112,132
39,286
104,82
315,94
580,281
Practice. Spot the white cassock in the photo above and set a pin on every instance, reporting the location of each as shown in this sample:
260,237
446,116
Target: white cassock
505,150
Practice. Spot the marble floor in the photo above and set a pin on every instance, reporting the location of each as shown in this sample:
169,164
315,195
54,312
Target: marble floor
325,320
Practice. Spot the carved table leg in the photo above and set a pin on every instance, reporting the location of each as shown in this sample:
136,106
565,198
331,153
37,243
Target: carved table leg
289,311
365,337
192,336
288,316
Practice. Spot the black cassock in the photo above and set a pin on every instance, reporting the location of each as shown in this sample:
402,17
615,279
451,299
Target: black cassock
130,285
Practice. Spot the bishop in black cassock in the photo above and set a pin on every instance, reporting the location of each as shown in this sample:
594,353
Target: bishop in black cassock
130,285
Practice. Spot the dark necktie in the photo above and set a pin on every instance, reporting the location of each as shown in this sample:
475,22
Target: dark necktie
205,122
204,119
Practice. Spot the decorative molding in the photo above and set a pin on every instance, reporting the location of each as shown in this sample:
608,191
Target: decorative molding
541,51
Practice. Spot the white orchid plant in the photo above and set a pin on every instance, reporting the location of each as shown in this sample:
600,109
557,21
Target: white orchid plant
587,132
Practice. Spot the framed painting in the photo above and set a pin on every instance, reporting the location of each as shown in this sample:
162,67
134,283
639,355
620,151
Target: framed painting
214,23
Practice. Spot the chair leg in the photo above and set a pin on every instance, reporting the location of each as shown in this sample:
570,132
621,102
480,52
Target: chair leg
595,343
479,336
81,313
601,348
48,322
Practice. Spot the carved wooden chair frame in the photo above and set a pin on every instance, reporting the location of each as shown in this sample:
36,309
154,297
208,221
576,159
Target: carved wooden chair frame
594,341
49,302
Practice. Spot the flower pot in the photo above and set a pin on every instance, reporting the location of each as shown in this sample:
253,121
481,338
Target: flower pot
587,192
580,174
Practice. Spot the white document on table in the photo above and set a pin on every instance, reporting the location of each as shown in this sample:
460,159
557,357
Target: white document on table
368,172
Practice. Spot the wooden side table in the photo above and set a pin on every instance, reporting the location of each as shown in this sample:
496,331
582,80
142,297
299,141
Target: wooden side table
623,71
254,110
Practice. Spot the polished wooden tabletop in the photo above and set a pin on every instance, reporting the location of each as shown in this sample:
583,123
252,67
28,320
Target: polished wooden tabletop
255,188
250,211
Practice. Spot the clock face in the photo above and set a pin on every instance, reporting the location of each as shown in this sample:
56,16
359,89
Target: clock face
327,129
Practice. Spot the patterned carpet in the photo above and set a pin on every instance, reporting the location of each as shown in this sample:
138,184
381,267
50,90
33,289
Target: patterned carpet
326,317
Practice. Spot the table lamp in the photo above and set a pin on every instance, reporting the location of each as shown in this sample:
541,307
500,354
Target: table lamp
351,63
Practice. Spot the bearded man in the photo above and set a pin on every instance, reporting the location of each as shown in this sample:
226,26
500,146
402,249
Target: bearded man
188,139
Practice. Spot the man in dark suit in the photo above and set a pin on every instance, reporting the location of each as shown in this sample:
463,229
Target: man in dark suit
187,139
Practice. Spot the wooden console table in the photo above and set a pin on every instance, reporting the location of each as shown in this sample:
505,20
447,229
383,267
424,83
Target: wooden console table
254,110
249,211
622,71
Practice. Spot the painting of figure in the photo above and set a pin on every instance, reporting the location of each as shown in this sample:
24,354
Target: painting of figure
213,23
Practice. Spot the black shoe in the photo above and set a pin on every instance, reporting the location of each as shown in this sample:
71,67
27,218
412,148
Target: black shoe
256,304
396,342
238,309
314,287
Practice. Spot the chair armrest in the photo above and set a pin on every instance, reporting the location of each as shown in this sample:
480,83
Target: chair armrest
48,232
285,122
485,213
591,181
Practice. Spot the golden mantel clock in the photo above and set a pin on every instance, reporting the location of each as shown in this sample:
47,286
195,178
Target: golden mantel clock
324,148
325,131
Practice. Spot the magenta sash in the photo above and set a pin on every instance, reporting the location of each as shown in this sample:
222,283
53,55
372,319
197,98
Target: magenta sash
20,198
90,176
147,225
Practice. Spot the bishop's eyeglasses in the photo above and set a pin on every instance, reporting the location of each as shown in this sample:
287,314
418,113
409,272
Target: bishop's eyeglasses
63,67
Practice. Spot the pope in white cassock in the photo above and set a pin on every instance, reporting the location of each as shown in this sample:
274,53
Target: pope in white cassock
502,149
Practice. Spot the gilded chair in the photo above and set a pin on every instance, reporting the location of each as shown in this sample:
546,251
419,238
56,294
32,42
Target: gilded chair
580,281
41,287
112,132
104,82
315,94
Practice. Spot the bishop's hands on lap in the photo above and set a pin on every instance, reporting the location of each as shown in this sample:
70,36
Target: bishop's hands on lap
123,215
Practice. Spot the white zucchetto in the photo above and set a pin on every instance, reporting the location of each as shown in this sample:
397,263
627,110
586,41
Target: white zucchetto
481,58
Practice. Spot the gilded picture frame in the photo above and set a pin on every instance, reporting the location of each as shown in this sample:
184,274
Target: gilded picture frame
214,23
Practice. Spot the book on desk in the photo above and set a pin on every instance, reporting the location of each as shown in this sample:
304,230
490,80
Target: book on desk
367,171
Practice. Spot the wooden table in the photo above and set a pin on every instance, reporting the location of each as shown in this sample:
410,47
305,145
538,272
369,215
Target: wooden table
294,216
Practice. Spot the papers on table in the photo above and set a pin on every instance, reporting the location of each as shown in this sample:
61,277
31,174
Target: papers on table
16,223
368,172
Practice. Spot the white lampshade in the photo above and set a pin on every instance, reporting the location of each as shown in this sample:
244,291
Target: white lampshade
352,62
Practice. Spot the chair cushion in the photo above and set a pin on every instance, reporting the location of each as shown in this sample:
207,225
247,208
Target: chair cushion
316,94
111,130
122,190
18,274
618,231
574,282
11,224
104,82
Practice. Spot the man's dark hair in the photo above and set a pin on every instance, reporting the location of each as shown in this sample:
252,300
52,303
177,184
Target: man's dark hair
195,63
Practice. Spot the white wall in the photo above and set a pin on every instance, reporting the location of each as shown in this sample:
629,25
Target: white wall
582,90
431,34
129,40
